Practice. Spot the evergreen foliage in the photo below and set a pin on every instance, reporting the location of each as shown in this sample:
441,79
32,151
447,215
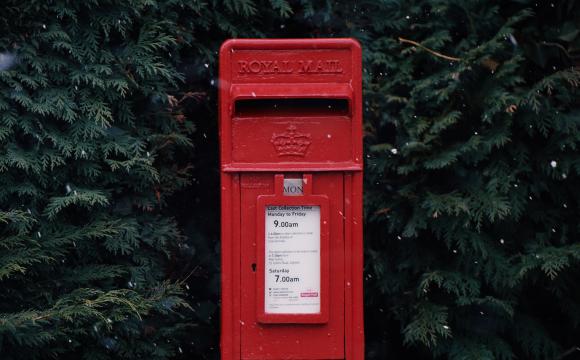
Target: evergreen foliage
472,176
109,218
86,167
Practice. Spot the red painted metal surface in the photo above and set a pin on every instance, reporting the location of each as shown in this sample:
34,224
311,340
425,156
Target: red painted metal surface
291,109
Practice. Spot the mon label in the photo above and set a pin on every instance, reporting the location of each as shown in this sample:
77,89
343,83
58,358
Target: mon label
293,187
292,260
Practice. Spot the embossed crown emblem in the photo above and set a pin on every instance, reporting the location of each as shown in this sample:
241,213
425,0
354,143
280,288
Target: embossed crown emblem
291,142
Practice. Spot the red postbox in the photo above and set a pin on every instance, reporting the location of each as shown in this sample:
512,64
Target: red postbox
291,177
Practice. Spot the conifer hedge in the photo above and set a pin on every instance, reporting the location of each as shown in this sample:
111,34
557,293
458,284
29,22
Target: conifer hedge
109,215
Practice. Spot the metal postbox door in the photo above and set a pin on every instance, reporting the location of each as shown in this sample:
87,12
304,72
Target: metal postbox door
278,339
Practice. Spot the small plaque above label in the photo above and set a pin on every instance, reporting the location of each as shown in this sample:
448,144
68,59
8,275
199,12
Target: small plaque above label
293,187
292,260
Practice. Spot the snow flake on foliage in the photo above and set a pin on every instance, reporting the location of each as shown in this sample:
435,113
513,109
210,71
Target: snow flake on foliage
109,343
7,60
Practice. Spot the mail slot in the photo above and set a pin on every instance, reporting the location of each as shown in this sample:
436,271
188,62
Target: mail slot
291,199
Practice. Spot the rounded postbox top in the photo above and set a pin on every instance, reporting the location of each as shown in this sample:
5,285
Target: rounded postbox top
289,44
290,104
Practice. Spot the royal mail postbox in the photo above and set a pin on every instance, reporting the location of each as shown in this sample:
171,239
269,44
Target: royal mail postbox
291,193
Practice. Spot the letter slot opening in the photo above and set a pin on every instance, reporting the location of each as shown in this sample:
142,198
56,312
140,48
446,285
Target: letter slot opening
301,107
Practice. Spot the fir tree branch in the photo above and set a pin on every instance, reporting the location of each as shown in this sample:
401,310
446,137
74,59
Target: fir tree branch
569,352
559,46
433,52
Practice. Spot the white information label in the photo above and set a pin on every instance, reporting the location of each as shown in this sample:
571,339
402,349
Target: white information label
292,271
